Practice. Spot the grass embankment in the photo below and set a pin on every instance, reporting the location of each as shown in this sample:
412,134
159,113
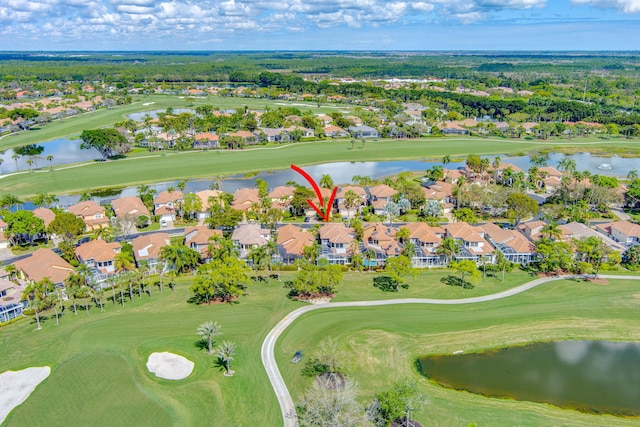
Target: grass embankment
98,360
173,166
106,117
385,341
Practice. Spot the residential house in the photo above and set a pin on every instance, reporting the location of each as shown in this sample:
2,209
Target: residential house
147,248
381,240
471,243
10,299
45,214
364,131
166,203
512,243
379,196
326,120
199,238
98,255
335,131
249,236
44,263
291,243
129,205
581,231
91,213
452,176
247,137
624,232
207,197
281,197
244,199
206,140
452,128
304,132
326,195
440,191
533,230
336,240
351,211
426,240
271,135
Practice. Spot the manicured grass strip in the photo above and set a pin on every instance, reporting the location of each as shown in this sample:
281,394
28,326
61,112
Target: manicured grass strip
385,341
171,166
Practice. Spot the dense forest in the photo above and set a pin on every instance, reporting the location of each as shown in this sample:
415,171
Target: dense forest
563,86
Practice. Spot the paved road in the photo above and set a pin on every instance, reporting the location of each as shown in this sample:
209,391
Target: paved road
285,401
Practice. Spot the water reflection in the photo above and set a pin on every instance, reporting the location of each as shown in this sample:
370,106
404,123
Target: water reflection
138,117
63,152
591,376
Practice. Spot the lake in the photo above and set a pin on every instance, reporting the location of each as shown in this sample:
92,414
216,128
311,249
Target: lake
64,152
590,376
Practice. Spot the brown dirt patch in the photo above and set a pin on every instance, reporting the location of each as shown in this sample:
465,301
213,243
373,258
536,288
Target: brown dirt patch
599,281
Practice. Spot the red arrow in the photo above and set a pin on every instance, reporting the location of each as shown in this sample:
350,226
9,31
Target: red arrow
324,213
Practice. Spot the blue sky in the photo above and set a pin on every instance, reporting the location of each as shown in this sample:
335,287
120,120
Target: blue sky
320,25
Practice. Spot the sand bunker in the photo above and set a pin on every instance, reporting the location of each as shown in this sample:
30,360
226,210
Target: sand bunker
16,386
169,366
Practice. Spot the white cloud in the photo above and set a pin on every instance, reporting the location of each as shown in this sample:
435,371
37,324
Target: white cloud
134,9
422,6
624,6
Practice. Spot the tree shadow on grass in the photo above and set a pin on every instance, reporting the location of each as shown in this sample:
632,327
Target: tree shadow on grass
43,320
203,344
219,363
456,281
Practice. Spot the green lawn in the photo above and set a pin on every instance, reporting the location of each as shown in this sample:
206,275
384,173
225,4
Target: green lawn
107,353
384,342
98,360
105,117
173,166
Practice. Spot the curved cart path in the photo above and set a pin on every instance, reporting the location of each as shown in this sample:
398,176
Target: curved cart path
287,407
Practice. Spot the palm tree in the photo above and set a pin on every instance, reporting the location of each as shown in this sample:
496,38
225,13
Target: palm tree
72,284
326,181
225,353
633,174
50,160
15,157
448,247
551,231
123,261
29,163
12,271
403,234
260,256
208,331
567,165
539,160
35,293
98,294
446,159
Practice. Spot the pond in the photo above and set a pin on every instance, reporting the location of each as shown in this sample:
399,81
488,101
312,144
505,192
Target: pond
138,117
590,376
343,172
64,152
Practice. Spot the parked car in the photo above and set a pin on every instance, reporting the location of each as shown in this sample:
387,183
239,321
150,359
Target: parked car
297,356
163,223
